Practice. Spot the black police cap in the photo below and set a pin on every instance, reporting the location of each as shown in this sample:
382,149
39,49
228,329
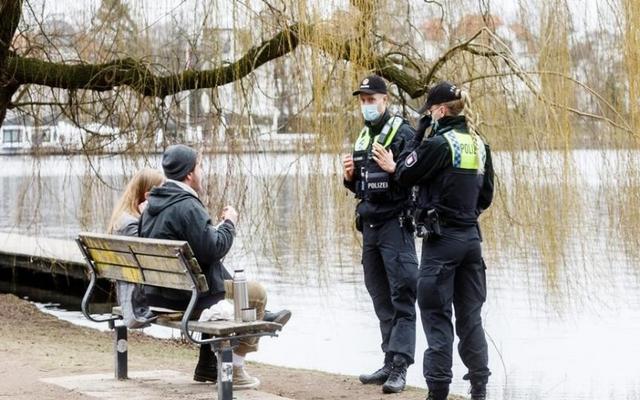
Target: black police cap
372,84
441,93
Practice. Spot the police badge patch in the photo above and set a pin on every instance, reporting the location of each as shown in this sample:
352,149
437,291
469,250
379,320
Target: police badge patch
411,159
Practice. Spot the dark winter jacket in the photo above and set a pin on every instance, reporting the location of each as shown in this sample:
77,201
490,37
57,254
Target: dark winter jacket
458,195
175,214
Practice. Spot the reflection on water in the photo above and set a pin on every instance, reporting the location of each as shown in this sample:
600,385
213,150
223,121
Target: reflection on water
563,310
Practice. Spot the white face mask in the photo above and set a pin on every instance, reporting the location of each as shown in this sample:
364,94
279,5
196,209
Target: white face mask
370,112
434,119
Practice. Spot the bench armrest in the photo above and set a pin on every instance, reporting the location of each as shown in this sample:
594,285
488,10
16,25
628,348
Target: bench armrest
84,306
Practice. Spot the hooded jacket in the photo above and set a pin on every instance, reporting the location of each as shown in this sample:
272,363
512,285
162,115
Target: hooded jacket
175,214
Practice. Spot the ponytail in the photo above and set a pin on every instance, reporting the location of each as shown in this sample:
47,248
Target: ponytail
463,104
472,122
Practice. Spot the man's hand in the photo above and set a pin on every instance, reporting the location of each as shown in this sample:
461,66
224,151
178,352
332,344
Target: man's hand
349,167
229,213
384,158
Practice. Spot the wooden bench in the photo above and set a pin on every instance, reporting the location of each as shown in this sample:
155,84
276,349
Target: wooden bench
167,264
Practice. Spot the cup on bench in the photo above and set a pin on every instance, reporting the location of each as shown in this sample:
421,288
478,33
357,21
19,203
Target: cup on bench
248,314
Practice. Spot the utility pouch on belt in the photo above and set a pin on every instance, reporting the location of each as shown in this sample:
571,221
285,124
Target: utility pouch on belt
358,221
428,226
407,221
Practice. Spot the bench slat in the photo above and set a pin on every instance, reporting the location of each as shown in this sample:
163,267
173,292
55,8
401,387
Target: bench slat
151,277
112,257
165,264
215,328
168,264
156,247
223,328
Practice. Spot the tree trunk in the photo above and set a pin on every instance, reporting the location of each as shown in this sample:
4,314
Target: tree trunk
11,10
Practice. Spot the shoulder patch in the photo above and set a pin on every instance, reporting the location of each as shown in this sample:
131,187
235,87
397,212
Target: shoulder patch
411,159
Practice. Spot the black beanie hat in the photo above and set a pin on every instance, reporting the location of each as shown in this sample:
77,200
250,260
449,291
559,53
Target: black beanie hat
178,160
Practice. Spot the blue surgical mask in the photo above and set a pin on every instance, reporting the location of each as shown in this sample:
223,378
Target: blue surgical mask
370,112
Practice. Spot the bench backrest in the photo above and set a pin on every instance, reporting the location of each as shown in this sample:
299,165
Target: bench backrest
155,262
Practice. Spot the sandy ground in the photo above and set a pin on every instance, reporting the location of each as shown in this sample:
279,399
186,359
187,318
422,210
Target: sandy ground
34,345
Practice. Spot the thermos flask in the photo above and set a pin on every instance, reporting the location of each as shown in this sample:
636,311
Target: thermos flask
240,294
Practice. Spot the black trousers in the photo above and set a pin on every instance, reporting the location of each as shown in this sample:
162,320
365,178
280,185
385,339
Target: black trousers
390,272
452,272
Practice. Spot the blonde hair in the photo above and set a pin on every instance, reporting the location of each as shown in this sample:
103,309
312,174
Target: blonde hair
134,194
456,107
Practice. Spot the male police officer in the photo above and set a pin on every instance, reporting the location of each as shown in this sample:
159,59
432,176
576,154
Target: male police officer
454,173
388,255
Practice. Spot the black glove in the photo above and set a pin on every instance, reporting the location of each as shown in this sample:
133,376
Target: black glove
423,124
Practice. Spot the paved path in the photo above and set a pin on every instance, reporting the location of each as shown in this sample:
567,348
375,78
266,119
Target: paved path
149,385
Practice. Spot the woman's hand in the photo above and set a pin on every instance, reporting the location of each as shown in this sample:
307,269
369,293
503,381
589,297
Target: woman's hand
384,158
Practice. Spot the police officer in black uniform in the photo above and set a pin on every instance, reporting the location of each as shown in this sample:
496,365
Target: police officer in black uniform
383,215
454,173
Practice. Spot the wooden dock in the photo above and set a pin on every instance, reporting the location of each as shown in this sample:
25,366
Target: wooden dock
52,256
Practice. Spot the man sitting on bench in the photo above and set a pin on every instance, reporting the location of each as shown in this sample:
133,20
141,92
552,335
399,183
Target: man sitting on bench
175,212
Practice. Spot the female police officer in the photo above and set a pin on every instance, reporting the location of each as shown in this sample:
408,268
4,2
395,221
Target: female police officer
388,251
454,174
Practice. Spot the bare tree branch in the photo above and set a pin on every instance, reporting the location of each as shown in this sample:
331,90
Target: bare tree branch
138,76
449,53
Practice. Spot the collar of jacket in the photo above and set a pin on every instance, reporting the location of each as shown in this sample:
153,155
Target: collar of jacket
184,187
376,126
447,123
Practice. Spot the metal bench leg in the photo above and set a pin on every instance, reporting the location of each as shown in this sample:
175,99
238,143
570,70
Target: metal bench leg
225,371
120,347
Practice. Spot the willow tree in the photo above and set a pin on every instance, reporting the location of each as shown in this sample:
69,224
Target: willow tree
533,81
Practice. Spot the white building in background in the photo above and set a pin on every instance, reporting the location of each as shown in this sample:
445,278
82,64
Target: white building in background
21,134
52,134
15,134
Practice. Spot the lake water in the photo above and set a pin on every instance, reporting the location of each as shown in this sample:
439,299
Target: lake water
563,309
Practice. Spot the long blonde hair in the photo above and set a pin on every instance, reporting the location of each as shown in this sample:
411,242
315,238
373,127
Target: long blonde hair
134,194
455,107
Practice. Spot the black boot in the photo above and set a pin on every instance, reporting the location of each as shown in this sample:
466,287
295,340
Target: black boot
207,367
438,394
478,391
379,377
398,376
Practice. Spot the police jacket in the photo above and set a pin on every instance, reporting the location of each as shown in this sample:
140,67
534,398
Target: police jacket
446,169
173,213
381,198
